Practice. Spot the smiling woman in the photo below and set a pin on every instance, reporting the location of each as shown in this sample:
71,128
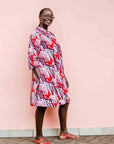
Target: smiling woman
49,84
46,16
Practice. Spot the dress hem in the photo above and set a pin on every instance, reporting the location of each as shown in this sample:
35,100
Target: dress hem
49,106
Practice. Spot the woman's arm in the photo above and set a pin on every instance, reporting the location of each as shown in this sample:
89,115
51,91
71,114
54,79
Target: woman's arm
66,81
37,72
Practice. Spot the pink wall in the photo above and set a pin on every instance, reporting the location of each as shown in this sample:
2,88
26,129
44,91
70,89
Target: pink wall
85,30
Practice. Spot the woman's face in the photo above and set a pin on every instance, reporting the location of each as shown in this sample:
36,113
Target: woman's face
47,17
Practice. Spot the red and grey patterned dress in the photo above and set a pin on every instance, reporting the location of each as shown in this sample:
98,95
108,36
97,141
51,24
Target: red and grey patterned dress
45,53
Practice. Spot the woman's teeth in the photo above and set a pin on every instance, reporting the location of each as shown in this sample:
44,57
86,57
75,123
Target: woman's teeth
48,21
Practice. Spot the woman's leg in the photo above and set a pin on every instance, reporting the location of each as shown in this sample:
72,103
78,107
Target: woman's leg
39,115
63,118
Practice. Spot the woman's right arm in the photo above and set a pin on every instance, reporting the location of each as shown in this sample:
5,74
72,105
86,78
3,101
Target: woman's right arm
33,61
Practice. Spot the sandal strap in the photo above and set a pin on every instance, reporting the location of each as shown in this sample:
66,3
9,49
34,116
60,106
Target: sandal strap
76,137
38,141
47,142
66,135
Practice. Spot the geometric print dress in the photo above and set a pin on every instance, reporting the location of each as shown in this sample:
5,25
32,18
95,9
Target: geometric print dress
45,53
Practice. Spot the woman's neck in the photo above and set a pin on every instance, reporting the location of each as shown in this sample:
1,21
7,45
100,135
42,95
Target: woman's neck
43,26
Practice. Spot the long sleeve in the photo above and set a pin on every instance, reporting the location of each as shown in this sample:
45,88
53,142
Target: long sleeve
33,49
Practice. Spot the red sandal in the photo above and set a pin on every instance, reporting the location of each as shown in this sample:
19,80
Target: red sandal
38,141
62,136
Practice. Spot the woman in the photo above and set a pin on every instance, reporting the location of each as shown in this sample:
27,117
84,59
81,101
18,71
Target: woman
49,85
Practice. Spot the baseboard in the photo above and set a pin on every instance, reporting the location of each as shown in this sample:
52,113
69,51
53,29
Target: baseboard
56,131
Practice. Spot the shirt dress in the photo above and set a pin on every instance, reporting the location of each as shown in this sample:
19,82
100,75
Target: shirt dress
45,53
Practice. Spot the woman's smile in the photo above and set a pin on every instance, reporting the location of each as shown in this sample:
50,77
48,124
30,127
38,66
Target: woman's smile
48,21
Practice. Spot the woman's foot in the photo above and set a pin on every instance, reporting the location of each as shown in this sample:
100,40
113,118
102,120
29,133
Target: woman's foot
41,140
66,135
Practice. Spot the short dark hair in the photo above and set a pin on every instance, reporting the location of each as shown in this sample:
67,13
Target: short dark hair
42,10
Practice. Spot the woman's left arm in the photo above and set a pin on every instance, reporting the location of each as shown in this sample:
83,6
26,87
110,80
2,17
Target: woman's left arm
66,81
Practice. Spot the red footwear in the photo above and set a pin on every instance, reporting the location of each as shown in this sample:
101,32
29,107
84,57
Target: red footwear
38,141
62,136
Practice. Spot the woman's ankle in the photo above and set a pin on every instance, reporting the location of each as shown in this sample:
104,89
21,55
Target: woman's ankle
39,137
64,131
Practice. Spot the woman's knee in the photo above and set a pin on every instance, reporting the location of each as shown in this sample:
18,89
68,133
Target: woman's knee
41,108
65,106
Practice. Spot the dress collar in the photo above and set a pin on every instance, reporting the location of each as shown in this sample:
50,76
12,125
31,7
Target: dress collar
42,29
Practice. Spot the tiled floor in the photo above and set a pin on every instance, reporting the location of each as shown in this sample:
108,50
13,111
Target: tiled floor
109,139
